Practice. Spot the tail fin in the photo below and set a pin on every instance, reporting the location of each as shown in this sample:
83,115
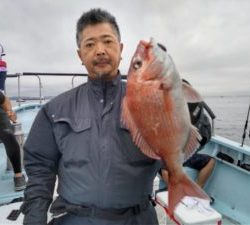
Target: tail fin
178,190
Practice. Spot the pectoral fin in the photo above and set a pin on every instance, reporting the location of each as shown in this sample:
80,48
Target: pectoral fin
127,119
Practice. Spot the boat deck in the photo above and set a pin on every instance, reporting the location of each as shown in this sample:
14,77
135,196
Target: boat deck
26,116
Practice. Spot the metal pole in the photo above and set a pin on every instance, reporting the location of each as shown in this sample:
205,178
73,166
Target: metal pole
245,127
72,81
19,91
40,89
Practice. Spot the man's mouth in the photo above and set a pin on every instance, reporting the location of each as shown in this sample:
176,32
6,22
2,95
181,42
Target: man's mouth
101,62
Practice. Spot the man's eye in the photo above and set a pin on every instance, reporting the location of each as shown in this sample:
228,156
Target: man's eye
108,41
89,45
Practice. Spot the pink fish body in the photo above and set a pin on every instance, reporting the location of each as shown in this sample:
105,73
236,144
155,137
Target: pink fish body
155,111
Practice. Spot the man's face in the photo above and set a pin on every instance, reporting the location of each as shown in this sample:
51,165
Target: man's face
100,51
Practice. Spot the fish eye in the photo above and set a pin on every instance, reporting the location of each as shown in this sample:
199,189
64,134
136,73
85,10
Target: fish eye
162,47
137,63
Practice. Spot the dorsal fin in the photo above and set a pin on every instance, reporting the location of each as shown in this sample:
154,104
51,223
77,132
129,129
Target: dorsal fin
136,135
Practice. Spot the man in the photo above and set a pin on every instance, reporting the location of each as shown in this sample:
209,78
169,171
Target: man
11,145
103,178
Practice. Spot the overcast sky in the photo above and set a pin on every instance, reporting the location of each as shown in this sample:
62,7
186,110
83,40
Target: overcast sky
208,40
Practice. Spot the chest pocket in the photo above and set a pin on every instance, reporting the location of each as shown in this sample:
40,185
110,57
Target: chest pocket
73,139
133,154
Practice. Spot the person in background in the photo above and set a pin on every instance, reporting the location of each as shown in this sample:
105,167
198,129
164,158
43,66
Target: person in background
204,164
103,178
3,69
8,138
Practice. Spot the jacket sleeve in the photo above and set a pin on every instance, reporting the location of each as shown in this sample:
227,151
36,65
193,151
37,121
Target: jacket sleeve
40,160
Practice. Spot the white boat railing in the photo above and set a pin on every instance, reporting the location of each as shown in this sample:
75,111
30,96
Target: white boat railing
39,75
73,75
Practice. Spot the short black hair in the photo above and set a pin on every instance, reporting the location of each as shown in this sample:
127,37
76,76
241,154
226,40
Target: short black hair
92,17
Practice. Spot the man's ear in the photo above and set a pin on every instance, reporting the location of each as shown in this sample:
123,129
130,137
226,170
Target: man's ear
121,47
80,56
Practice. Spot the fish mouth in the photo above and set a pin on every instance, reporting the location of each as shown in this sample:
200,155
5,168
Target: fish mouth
159,52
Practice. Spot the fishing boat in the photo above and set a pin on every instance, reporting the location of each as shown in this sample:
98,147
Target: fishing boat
228,184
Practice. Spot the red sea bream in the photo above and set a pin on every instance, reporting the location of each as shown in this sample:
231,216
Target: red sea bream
155,111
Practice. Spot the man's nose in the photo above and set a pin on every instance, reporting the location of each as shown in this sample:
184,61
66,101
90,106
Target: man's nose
100,49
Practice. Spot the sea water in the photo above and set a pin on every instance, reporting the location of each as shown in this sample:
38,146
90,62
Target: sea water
231,115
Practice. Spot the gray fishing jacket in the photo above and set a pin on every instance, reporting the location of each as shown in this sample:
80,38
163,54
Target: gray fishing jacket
78,136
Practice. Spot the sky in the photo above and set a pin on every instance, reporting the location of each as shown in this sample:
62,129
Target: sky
209,41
